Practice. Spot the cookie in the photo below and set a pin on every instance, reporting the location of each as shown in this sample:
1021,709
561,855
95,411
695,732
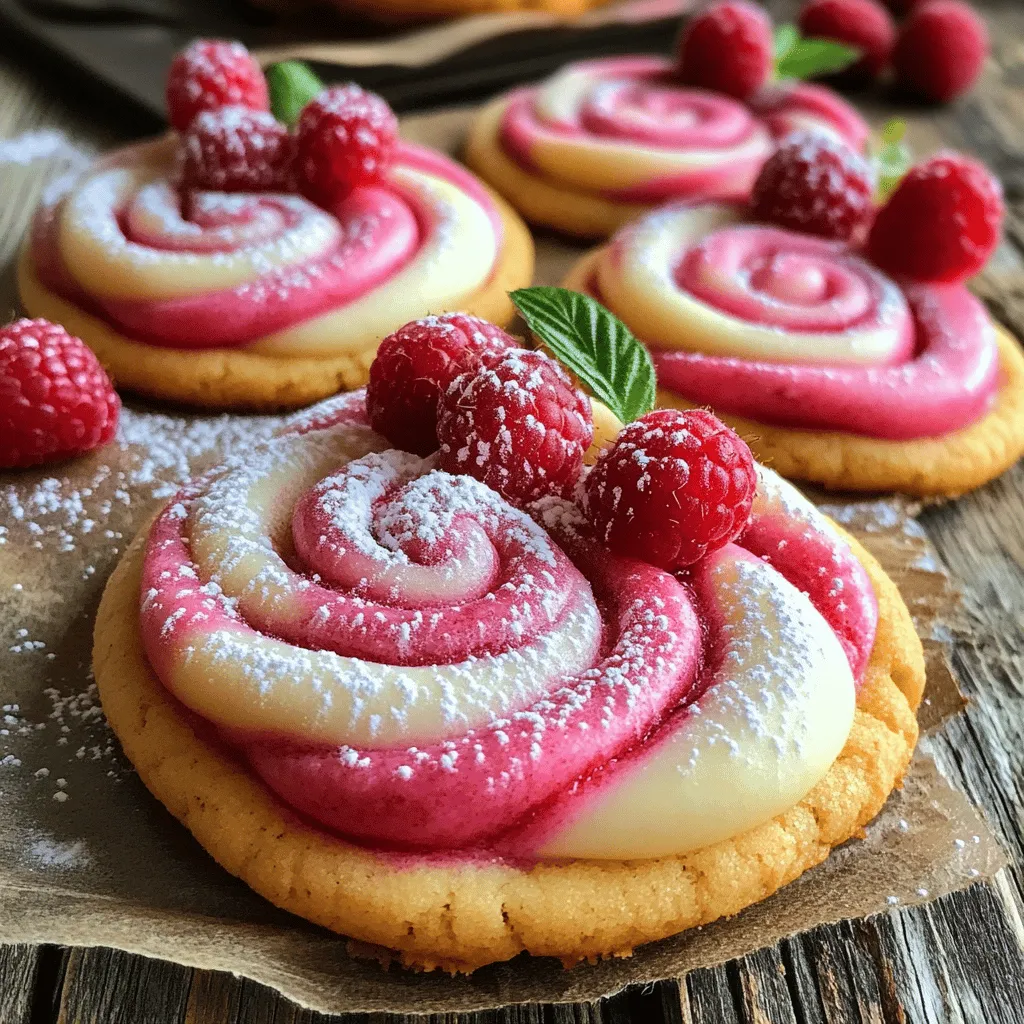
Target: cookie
184,723
292,307
916,391
584,154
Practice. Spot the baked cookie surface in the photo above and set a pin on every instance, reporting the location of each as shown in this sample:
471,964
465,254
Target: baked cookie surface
964,432
436,908
582,154
299,356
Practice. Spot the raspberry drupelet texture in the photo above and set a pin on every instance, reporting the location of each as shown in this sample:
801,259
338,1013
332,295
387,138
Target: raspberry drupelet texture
344,137
941,50
237,150
674,486
817,184
942,223
519,425
210,74
863,24
414,367
55,399
727,48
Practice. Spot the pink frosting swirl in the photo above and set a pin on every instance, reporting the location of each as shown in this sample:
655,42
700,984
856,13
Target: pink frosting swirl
768,276
948,384
296,264
796,331
624,129
409,661
792,106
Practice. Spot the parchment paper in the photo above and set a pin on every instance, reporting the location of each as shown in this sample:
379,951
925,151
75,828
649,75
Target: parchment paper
87,857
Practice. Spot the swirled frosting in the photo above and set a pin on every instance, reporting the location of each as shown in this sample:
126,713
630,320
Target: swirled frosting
269,272
622,128
414,664
794,330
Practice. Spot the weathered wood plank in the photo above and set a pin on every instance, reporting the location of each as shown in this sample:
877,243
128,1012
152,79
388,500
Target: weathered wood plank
18,970
213,998
711,997
764,995
104,986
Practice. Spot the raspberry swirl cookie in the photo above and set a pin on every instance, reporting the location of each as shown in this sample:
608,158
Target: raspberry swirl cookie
197,271
601,142
408,705
836,370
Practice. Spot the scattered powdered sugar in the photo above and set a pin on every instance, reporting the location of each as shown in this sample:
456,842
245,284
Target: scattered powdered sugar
775,658
62,533
44,851
45,144
152,455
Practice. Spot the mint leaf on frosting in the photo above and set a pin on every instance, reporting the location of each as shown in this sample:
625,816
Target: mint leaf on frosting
797,57
594,344
292,85
786,37
892,158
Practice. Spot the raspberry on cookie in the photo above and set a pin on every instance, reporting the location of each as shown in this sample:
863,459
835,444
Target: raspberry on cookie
414,367
238,264
859,370
674,487
446,713
210,74
519,424
604,141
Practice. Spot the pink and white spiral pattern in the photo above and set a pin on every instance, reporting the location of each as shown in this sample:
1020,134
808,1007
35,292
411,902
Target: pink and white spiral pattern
794,330
408,660
624,129
270,272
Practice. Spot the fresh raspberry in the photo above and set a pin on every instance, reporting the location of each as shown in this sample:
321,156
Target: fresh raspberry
236,150
414,367
519,425
942,223
345,137
941,50
864,24
817,184
55,399
210,74
674,486
727,48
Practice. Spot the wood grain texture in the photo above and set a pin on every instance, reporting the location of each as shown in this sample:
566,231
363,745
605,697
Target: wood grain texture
959,959
18,972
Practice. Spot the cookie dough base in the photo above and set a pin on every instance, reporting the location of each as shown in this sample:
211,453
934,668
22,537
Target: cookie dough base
541,201
233,378
945,466
460,916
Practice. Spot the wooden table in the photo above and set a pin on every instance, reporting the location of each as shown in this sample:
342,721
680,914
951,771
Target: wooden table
957,959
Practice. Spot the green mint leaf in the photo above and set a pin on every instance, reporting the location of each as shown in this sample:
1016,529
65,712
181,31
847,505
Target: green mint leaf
786,37
808,58
892,158
292,85
594,344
